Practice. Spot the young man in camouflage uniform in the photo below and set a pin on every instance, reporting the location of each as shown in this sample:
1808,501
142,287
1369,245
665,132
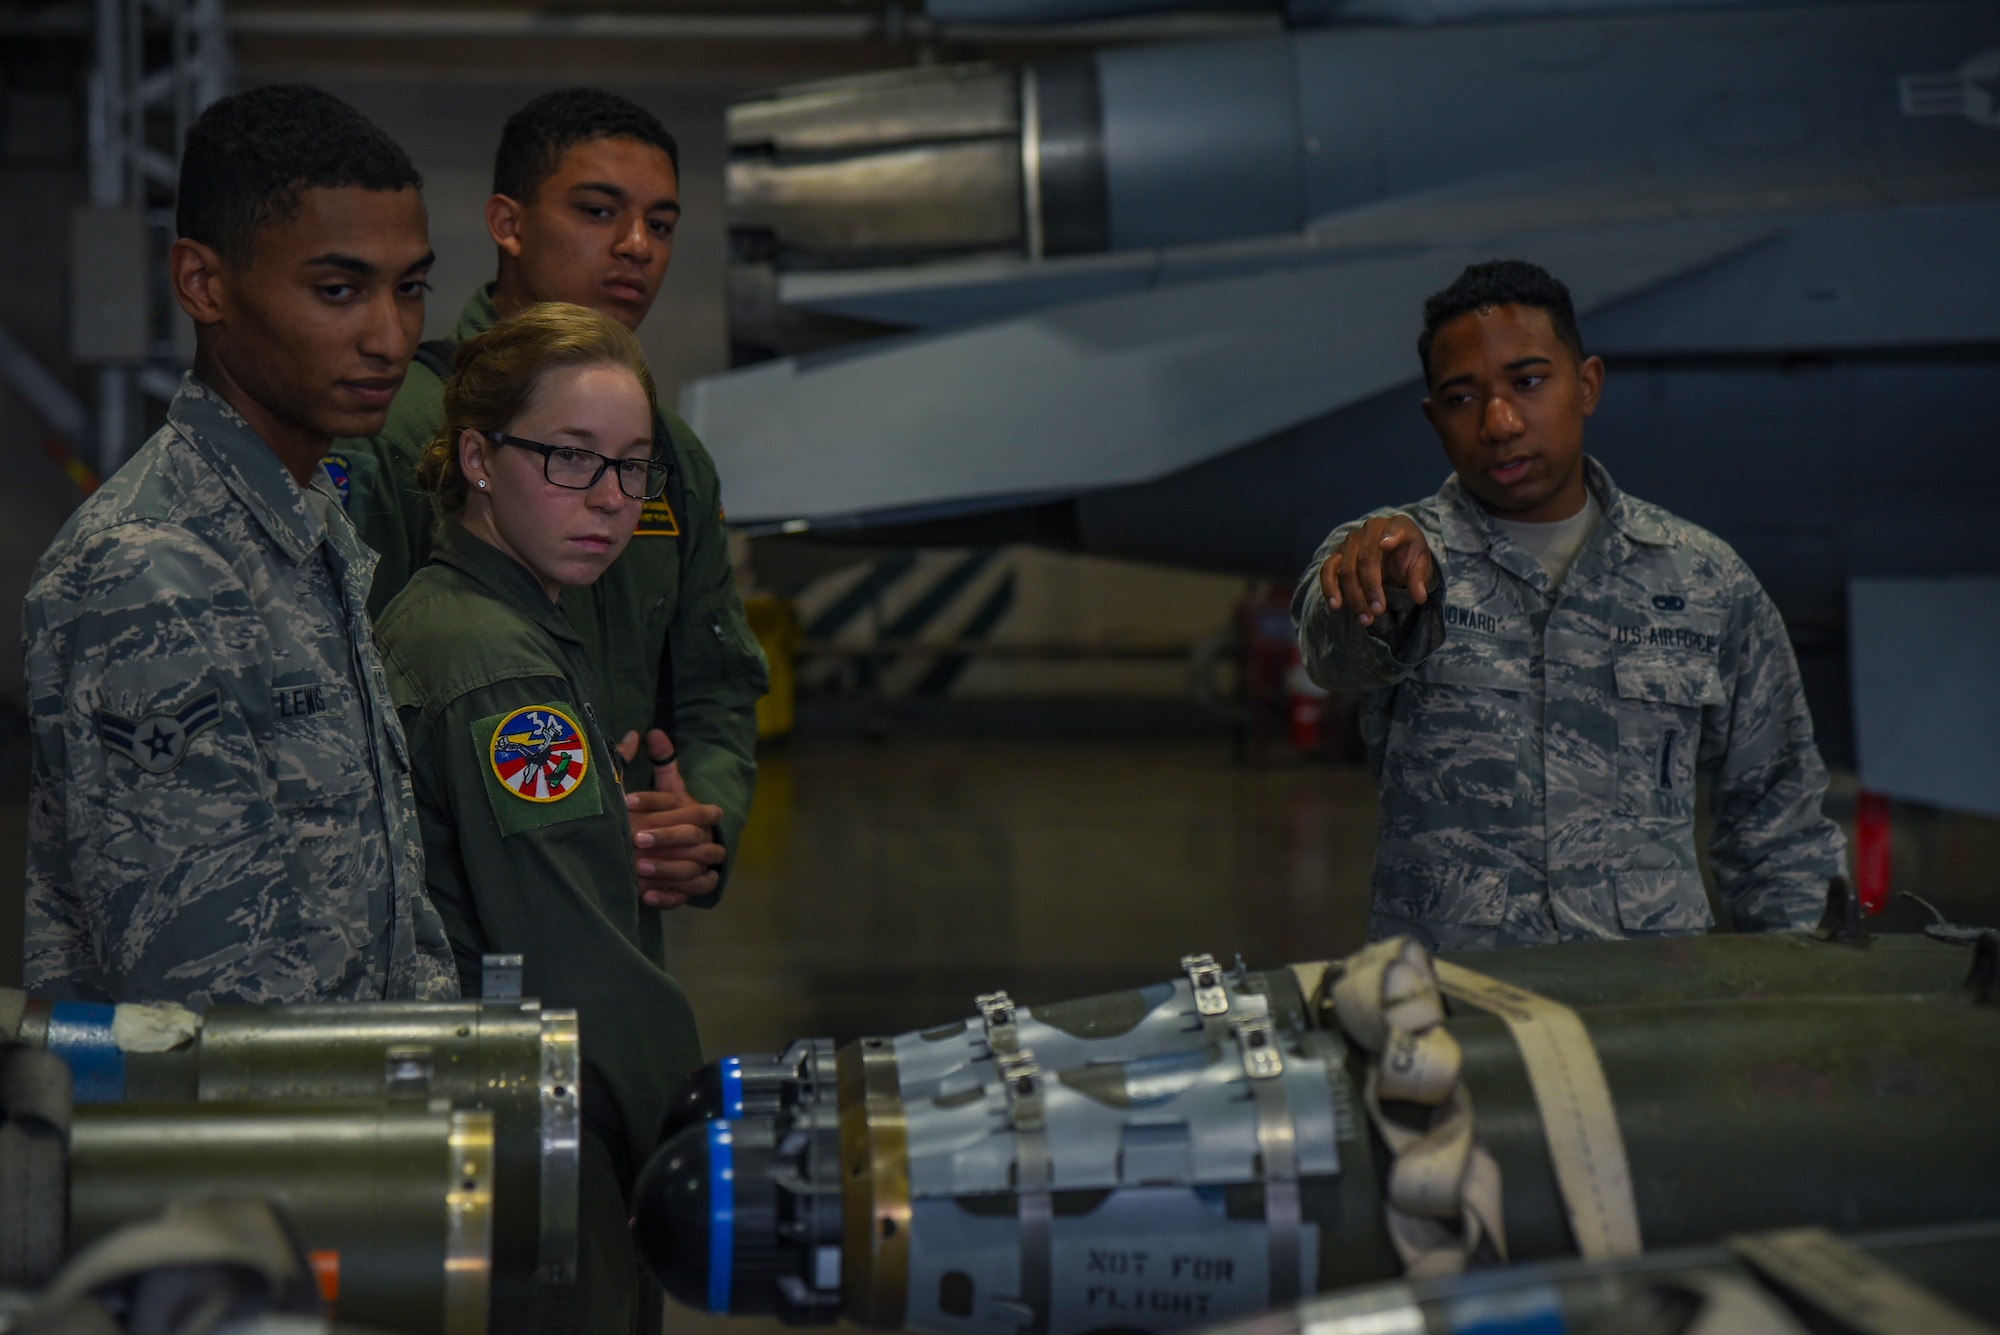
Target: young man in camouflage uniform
585,200
220,806
1552,663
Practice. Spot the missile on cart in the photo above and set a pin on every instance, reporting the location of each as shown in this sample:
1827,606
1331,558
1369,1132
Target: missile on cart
1230,1141
393,1203
513,1059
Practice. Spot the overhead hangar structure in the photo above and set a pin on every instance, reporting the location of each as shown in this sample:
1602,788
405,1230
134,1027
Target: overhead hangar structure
1161,302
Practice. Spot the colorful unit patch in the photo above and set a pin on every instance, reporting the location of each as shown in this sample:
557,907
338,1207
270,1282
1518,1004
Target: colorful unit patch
539,754
657,520
339,470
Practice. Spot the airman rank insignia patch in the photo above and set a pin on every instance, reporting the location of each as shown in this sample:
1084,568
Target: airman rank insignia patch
341,472
158,742
657,520
539,754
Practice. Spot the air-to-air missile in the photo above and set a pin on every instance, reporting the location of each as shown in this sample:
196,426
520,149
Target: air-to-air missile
427,1152
1230,1141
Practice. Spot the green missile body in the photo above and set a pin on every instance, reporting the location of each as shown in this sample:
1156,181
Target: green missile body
512,1059
394,1206
1205,1148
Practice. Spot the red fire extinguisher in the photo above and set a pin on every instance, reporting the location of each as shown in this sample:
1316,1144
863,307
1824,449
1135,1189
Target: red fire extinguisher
1871,851
1305,705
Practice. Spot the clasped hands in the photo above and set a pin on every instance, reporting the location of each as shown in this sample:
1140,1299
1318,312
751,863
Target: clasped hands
676,840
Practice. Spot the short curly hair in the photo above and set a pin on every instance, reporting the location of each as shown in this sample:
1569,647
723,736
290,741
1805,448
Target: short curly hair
251,155
495,374
535,138
1500,283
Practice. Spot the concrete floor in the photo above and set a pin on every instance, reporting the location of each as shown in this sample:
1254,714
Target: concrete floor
883,884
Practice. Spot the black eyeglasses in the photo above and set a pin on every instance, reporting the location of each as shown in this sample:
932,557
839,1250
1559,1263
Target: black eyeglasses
578,469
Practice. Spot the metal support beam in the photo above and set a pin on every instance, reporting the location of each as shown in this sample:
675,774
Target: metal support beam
35,385
159,62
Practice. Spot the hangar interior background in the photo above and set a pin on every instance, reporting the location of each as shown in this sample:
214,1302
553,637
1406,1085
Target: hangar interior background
1056,814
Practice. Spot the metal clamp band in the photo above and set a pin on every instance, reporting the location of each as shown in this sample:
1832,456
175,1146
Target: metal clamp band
1261,1058
1034,1174
1278,1148
468,1248
875,1176
1021,1080
1205,976
562,1118
997,1010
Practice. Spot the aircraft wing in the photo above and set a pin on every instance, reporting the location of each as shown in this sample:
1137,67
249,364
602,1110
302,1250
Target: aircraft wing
1122,388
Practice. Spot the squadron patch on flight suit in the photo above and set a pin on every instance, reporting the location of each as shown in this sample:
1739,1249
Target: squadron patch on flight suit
341,472
536,761
158,742
657,520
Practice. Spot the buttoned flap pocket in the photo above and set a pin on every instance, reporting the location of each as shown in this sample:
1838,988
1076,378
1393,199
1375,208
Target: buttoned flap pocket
1667,900
1490,665
1661,694
318,764
1440,891
720,645
1653,676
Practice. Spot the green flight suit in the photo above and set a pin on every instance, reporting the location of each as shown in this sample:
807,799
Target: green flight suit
526,848
625,619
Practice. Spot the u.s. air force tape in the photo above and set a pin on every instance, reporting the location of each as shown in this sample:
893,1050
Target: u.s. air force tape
1578,1120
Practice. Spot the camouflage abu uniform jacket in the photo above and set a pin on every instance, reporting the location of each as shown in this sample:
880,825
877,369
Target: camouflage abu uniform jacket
220,804
1536,747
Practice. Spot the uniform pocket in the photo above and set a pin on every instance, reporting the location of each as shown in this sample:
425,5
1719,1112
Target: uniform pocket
720,646
1442,892
1660,702
1673,900
319,768
1456,734
1499,665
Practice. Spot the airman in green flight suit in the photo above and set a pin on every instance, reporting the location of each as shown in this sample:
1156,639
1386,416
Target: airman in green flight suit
586,198
545,469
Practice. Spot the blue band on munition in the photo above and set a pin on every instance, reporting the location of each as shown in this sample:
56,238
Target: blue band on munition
721,1213
80,1033
1532,1311
732,1086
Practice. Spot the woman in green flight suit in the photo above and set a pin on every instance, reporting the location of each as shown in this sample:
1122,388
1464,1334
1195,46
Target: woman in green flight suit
540,473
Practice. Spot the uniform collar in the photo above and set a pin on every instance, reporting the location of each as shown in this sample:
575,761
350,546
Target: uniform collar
1468,528
250,469
501,576
477,315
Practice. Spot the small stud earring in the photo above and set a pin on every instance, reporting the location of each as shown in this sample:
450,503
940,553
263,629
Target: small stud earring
481,484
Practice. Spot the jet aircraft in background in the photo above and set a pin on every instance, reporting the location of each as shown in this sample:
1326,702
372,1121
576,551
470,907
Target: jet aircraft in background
1160,302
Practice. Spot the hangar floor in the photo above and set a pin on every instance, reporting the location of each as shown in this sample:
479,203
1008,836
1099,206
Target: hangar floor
883,884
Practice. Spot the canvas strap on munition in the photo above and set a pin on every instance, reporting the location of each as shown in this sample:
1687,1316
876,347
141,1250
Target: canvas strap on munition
1577,1117
1443,1190
1851,1286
